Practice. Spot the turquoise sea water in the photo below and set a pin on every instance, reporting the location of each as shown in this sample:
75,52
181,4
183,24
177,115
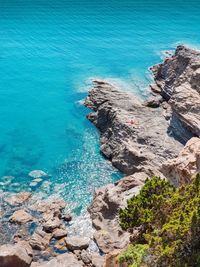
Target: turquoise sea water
49,52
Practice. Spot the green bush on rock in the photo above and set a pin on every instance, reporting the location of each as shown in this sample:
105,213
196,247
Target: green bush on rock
168,219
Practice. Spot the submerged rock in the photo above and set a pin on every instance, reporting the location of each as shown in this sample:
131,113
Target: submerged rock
37,174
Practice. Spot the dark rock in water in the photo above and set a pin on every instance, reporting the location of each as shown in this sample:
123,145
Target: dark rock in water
67,217
18,255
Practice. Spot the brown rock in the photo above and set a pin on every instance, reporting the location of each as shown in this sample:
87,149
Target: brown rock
181,169
105,207
19,198
111,259
85,257
63,260
15,256
20,217
59,233
77,243
50,225
40,240
97,260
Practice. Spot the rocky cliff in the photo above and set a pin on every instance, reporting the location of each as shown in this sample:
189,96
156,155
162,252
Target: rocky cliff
178,79
142,139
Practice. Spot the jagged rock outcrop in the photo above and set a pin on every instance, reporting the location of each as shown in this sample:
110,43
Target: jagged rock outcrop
178,78
105,207
181,169
133,136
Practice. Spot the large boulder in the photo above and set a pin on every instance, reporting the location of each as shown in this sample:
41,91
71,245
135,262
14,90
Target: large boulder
40,240
77,243
20,217
181,169
18,255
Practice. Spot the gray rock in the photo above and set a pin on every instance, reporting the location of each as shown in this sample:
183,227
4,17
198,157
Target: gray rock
134,137
179,80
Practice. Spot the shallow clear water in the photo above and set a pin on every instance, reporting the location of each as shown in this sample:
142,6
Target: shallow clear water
49,52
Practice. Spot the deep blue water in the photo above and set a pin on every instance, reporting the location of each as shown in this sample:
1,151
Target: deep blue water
49,52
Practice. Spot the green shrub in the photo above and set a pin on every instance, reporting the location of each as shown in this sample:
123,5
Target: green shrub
170,220
134,255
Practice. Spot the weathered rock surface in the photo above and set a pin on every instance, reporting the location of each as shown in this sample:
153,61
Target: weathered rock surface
19,198
111,259
105,207
181,169
64,260
20,216
18,255
40,240
133,136
59,233
77,243
178,78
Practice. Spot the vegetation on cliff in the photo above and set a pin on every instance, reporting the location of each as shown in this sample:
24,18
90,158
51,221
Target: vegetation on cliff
165,222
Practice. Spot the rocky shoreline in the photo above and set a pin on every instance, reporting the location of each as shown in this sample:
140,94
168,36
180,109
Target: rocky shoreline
159,136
